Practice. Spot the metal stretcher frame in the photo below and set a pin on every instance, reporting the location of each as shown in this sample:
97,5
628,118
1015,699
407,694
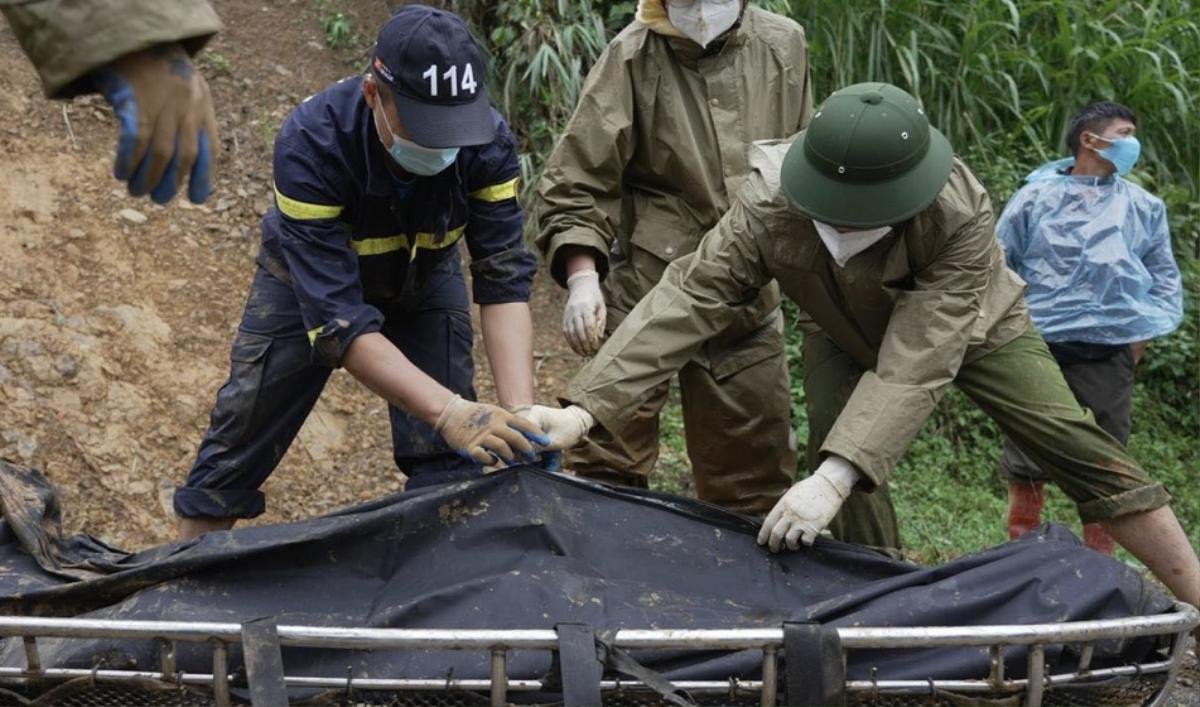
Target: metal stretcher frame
498,643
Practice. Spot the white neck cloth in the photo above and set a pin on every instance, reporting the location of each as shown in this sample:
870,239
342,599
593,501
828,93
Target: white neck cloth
845,245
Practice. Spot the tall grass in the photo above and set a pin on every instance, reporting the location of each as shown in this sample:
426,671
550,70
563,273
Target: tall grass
542,67
540,52
995,74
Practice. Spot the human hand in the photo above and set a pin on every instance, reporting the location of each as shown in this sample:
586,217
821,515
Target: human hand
809,506
1139,350
584,313
168,129
488,434
564,427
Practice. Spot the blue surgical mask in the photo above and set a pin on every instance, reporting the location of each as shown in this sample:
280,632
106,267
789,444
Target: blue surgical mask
418,159
1123,152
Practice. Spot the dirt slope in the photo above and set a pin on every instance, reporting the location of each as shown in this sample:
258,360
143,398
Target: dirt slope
116,315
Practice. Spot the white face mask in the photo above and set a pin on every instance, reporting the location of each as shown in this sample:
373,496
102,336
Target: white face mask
845,245
702,21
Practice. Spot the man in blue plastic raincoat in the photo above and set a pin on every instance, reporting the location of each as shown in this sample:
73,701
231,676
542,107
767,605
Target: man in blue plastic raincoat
1096,252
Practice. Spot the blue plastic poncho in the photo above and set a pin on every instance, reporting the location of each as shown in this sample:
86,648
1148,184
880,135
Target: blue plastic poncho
1096,253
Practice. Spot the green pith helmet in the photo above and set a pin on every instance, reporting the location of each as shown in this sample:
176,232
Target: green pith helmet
868,158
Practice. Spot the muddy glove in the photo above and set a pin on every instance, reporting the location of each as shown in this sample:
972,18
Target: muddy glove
583,317
809,506
563,426
488,434
168,128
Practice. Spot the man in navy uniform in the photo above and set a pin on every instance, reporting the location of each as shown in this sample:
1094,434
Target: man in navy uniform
377,178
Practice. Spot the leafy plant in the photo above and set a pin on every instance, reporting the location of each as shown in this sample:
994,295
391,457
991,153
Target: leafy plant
339,31
540,52
217,63
1001,72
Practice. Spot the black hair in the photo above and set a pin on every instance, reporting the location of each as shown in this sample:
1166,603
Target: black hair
1093,119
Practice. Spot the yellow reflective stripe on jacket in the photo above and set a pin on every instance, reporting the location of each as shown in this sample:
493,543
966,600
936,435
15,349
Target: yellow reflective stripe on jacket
390,244
303,211
498,192
314,333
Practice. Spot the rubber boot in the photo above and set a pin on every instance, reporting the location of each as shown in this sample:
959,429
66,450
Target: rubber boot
1025,501
1097,538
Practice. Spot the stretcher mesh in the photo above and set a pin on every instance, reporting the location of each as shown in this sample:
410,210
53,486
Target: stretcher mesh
82,693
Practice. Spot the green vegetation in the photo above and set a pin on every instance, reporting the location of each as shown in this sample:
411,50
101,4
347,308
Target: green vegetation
1000,78
215,64
267,130
539,52
339,31
1001,73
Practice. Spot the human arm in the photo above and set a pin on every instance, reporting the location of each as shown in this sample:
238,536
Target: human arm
1012,229
502,268
806,111
508,338
578,200
699,296
387,372
484,433
67,40
1139,350
1166,289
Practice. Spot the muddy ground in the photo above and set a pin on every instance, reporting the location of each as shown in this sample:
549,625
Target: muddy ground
116,315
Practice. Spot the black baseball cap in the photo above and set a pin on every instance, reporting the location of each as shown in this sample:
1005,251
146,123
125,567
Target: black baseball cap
435,70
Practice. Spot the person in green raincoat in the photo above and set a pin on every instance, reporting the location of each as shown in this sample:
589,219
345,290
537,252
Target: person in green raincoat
658,145
872,226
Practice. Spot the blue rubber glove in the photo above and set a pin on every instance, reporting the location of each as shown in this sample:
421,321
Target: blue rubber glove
551,461
168,126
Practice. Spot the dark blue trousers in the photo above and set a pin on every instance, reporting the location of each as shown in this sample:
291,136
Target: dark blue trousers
274,383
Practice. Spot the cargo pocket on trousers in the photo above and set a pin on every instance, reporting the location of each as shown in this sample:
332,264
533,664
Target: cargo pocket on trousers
233,416
460,357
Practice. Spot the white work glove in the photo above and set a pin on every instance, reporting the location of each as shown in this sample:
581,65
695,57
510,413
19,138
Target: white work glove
809,506
563,426
583,317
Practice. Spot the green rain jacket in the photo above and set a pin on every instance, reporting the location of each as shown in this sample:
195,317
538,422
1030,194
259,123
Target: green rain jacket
910,309
67,39
658,144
